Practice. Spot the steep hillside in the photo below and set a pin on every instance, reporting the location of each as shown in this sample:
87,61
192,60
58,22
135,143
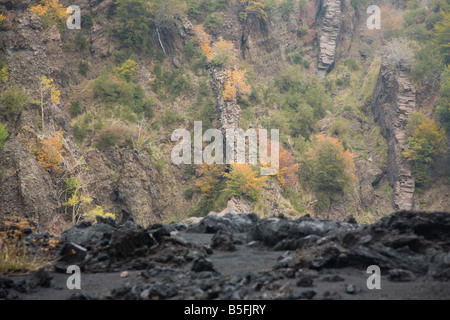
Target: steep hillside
95,137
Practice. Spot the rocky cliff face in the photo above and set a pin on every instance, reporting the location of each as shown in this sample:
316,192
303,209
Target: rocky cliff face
329,36
394,100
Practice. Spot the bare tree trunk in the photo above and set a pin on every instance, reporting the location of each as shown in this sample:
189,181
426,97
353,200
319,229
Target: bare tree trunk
42,109
159,39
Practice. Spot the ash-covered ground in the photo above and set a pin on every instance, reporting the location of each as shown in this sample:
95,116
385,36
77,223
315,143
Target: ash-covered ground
240,256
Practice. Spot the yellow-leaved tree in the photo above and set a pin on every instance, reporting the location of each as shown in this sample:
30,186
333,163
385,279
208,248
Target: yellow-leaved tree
47,85
51,11
208,183
243,180
236,84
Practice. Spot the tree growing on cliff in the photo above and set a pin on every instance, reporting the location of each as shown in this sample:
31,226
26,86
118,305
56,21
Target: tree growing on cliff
442,36
328,169
48,86
236,84
50,154
427,141
443,110
252,7
51,11
132,24
288,169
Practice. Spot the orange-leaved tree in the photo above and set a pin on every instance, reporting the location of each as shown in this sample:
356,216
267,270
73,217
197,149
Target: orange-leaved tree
203,39
287,172
236,84
50,154
242,180
209,181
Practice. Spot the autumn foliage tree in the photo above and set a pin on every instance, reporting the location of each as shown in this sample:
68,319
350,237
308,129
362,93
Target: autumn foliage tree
427,141
288,169
224,54
236,84
242,180
328,169
51,10
252,7
48,86
50,154
203,40
209,181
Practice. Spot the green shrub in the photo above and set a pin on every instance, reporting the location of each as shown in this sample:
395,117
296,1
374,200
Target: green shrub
107,139
213,22
188,193
170,117
132,24
14,101
302,31
87,22
79,133
3,72
75,109
81,43
191,51
174,83
83,68
3,135
287,7
115,91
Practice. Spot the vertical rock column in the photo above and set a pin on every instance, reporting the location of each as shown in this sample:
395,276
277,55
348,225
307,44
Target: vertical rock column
228,111
394,100
329,36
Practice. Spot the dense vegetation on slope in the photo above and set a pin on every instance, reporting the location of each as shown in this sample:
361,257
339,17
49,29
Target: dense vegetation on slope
148,87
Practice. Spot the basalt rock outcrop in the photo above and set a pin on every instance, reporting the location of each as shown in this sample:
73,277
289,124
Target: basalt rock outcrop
329,36
394,100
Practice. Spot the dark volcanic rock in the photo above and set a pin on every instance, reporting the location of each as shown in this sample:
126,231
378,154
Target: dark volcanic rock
203,264
406,247
223,242
231,222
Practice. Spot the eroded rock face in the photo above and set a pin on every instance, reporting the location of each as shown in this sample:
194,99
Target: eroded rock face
329,37
394,100
27,189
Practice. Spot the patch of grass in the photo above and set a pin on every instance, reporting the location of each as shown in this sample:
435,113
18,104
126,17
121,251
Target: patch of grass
18,256
369,81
